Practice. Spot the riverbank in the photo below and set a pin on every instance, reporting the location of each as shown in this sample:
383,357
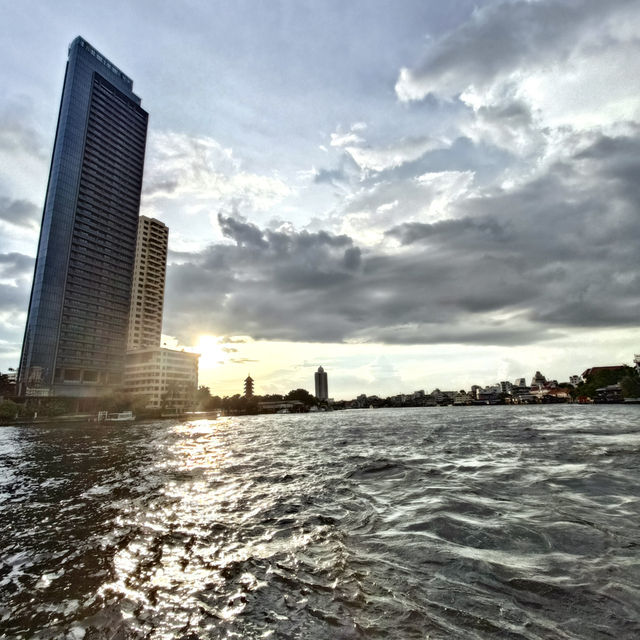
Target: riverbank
93,419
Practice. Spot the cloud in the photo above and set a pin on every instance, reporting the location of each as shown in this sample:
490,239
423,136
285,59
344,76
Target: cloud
508,266
16,271
17,135
345,139
22,213
380,157
199,170
15,266
504,38
531,74
368,212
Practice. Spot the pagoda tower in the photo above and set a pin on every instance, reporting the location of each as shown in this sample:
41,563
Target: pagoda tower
248,387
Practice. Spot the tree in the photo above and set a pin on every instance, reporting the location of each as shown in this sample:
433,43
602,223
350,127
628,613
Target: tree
302,395
7,388
203,397
116,401
630,386
603,378
214,402
8,410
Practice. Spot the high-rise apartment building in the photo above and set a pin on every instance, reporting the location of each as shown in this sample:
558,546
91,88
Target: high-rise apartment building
322,387
158,378
76,332
147,289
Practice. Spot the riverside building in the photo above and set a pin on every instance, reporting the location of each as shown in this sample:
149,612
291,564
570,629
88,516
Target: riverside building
147,289
163,379
76,331
322,387
158,378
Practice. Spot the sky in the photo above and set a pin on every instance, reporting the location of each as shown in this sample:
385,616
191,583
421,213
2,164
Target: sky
412,194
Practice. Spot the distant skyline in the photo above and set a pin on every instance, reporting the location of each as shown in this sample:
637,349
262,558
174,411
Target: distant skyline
410,194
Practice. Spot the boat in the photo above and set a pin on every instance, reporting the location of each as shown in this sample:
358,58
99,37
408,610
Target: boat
120,416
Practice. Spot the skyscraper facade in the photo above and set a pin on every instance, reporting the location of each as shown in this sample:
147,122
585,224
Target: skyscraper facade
322,386
147,289
76,331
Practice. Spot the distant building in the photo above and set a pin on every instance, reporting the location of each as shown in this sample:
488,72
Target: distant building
575,380
609,395
462,398
556,395
8,384
538,380
506,387
162,378
592,370
147,289
322,387
520,382
248,387
76,332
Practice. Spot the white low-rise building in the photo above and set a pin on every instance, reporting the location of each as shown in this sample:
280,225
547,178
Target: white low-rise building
163,378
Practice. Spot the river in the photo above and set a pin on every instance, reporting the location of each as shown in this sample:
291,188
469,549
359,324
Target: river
454,522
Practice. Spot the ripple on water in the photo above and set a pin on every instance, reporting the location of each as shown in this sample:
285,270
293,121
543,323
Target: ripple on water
479,523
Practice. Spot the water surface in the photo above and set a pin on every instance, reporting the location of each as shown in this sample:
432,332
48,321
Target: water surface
479,522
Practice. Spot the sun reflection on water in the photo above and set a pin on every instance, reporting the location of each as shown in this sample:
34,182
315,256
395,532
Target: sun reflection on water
178,543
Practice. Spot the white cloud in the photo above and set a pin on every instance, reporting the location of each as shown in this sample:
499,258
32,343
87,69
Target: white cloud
373,209
532,73
371,158
345,139
200,170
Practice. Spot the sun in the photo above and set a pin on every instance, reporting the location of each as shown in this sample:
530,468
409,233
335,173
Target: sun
211,352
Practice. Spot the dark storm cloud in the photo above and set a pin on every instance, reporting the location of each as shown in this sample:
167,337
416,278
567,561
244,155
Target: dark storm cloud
21,213
488,230
243,233
501,38
508,267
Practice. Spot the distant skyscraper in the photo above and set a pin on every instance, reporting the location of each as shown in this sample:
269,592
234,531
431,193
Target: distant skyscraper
76,332
147,290
322,387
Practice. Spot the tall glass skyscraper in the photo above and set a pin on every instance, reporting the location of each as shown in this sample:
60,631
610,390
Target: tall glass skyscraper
76,332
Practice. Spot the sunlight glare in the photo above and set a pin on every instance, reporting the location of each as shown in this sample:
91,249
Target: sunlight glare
211,352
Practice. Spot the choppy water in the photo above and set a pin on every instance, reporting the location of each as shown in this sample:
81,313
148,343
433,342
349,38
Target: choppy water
485,522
